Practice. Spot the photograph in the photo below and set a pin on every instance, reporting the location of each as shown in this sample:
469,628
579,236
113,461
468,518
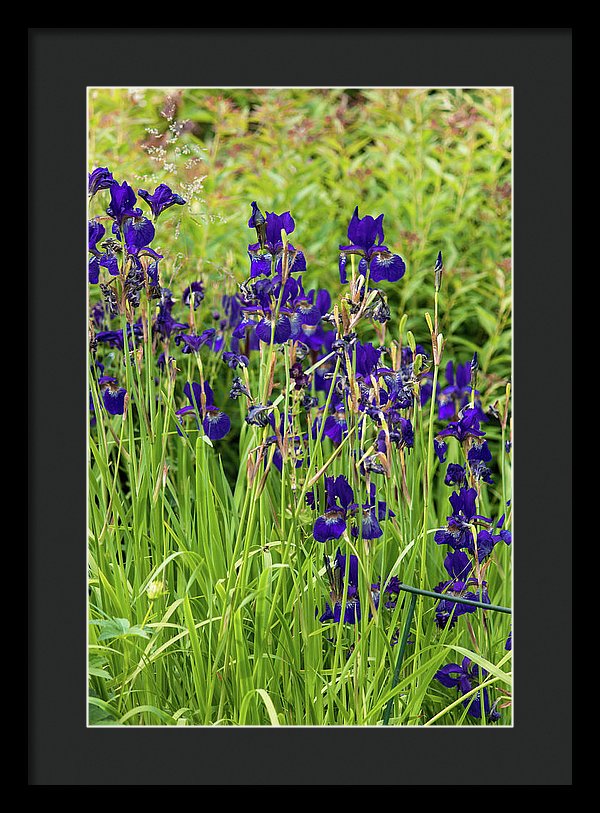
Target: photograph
298,406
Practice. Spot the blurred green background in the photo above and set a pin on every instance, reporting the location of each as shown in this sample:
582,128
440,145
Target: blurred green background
436,162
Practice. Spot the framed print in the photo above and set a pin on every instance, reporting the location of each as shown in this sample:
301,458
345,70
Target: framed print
283,484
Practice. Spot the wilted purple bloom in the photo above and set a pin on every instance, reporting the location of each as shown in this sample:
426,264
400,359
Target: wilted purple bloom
110,300
235,360
162,198
113,396
455,475
465,677
238,388
257,221
193,294
99,178
259,415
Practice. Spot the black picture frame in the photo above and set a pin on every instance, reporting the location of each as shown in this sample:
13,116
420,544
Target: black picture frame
537,63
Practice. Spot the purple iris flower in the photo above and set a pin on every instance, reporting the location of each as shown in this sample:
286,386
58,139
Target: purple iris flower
481,472
508,644
98,315
465,677
456,395
106,260
366,239
335,424
341,583
458,533
192,343
92,411
113,395
306,313
367,359
505,535
479,450
486,541
93,271
162,362
478,455
467,426
95,232
372,513
114,338
332,524
401,432
460,584
122,204
99,178
139,233
216,424
281,332
164,323
270,243
392,588
110,261
162,198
